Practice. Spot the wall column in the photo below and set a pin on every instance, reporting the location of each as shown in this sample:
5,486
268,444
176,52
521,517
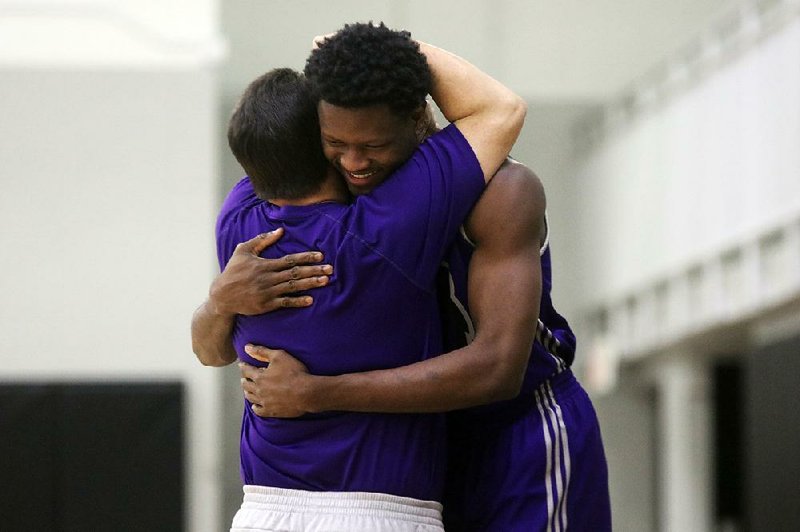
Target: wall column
684,477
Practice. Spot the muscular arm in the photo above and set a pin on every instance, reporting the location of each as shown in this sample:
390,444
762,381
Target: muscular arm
504,291
488,114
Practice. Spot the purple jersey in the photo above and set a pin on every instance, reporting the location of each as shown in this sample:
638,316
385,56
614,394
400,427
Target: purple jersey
535,462
554,348
379,310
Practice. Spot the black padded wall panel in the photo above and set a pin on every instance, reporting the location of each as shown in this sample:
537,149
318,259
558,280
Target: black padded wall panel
92,456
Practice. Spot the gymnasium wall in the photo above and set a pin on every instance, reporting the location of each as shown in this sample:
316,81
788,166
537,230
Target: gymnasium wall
697,157
687,260
108,143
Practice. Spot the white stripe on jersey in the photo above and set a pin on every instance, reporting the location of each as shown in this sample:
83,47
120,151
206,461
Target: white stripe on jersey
551,344
465,237
557,448
546,243
549,464
567,465
469,334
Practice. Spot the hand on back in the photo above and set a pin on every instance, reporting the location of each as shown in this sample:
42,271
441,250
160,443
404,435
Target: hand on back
251,285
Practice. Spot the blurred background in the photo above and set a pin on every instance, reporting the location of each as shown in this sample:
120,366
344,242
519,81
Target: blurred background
667,134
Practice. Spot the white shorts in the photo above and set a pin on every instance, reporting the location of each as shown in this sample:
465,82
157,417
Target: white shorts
283,510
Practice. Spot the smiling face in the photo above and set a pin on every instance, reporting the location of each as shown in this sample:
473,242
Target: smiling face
366,144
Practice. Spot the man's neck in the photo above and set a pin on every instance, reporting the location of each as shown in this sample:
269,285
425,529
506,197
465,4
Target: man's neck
332,189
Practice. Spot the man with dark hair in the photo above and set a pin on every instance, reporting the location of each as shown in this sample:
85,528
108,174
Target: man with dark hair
350,471
294,167
384,91
532,461
388,70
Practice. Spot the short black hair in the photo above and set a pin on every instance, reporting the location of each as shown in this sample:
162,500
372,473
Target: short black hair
364,64
274,134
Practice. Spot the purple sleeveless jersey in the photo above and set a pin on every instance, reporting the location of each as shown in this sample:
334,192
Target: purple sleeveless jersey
535,462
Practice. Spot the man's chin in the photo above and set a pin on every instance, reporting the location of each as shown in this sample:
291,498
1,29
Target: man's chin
358,190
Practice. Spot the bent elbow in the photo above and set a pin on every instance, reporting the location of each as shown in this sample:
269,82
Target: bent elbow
517,111
208,358
509,388
209,363
204,359
510,120
507,383
503,385
521,108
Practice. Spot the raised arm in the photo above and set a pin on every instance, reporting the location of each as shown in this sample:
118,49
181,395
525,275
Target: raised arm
251,285
507,225
488,114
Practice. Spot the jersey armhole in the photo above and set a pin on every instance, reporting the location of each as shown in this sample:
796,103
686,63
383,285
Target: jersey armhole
464,236
546,242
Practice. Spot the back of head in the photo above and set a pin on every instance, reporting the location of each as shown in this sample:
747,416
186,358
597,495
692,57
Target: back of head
364,64
274,134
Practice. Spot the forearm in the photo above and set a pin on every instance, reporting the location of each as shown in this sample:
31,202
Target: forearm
212,336
460,379
504,297
489,114
460,89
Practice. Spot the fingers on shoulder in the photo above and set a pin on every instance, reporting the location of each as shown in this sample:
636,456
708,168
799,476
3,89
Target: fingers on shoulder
258,243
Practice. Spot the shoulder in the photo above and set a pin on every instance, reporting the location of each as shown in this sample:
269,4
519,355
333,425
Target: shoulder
240,197
451,149
515,184
515,198
241,192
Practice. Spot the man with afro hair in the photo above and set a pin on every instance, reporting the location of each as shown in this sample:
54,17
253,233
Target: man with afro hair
372,83
389,70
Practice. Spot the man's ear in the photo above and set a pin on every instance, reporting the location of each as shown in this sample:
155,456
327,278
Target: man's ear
419,112
424,122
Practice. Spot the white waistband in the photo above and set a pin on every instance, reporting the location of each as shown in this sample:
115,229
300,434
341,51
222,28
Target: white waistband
339,502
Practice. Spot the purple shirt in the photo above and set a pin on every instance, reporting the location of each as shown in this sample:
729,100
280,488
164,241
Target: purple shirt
378,311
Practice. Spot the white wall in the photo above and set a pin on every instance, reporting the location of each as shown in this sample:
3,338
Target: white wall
108,146
687,241
556,52
712,164
109,33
